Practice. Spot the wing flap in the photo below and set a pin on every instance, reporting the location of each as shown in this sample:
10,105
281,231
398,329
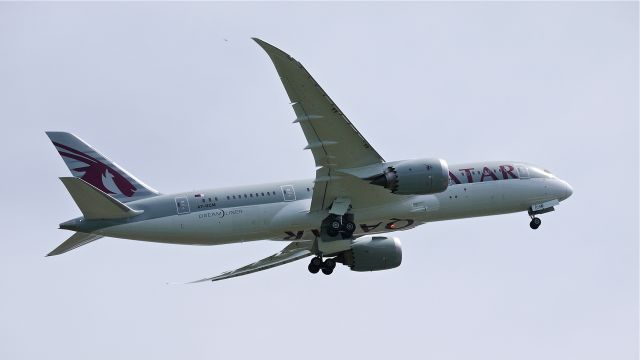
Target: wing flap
294,251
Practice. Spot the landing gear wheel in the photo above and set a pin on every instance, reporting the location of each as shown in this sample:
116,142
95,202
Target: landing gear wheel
327,271
332,233
316,261
329,263
335,224
313,269
535,223
315,265
334,227
348,228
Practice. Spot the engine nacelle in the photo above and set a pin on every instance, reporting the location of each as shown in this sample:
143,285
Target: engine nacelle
371,253
414,177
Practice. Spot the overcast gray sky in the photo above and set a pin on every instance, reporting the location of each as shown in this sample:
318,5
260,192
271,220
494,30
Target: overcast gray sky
181,97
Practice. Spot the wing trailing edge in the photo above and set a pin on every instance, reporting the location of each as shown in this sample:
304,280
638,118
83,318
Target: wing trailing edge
294,251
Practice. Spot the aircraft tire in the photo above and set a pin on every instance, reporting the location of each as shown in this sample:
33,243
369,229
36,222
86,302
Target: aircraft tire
535,223
349,227
313,268
335,225
317,262
347,235
329,263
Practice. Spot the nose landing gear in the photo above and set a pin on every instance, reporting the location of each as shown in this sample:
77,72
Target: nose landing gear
535,222
538,209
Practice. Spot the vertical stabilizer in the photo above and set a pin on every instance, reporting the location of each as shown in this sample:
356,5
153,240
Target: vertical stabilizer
88,164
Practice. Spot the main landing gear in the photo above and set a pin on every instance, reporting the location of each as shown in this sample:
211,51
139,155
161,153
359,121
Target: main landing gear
535,222
340,225
335,227
326,266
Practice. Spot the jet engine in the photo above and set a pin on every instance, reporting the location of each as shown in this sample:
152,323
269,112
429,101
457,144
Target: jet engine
371,253
414,177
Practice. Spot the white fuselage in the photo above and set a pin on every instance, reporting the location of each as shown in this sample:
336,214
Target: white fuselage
215,217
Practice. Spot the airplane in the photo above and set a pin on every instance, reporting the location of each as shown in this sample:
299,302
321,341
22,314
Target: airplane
344,215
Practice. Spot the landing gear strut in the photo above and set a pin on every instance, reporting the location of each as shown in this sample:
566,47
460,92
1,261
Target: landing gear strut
326,266
535,222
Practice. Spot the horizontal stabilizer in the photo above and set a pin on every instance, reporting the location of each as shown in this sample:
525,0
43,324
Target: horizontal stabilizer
75,241
95,204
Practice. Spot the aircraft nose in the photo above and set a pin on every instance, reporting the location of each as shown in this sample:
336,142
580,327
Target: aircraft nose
568,190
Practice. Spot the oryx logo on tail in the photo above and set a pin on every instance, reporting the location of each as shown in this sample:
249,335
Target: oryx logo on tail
97,173
88,164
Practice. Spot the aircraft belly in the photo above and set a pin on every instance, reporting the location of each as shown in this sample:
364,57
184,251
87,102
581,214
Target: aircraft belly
219,226
292,223
489,198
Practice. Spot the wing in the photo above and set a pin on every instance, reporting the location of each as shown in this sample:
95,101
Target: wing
335,143
330,184
294,251
331,137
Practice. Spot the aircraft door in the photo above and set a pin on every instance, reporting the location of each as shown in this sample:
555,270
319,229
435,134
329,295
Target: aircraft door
288,193
182,205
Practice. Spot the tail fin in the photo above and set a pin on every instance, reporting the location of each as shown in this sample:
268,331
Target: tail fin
88,164
95,204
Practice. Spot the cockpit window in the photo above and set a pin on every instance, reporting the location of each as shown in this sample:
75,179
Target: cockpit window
540,173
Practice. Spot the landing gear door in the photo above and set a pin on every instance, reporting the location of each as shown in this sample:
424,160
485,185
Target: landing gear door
523,172
288,192
182,205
